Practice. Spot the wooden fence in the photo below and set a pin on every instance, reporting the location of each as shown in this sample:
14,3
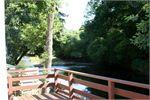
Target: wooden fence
109,88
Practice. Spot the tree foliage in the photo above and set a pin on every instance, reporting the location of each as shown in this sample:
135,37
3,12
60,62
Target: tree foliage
118,34
26,27
67,45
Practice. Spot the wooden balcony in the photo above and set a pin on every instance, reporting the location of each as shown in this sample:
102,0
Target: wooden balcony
62,91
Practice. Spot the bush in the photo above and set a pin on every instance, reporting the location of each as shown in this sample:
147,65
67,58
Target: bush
97,50
141,66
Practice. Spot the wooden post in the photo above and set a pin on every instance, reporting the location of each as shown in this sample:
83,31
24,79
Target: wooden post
56,80
111,86
70,86
10,91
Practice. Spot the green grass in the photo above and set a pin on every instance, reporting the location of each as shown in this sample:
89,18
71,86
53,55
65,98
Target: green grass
38,60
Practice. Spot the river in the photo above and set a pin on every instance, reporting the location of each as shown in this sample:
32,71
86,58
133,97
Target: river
115,72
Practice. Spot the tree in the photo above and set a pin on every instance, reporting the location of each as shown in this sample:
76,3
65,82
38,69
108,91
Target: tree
26,27
140,39
50,39
118,33
68,45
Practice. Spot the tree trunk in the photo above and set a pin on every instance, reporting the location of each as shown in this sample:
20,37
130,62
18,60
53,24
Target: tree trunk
20,57
50,39
49,45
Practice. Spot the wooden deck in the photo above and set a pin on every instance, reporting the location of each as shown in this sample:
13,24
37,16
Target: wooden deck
55,96
63,91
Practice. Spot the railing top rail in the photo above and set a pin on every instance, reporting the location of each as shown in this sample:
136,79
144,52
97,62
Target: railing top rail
31,70
140,85
8,75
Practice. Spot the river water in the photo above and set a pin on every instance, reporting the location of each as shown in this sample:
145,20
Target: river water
26,61
64,82
118,73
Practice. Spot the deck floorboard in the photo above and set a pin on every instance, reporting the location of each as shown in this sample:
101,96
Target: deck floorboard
54,96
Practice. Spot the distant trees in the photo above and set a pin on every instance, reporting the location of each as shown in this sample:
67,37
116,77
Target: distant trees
118,34
67,45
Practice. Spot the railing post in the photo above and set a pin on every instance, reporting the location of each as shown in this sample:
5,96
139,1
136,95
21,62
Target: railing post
111,86
70,85
56,80
10,91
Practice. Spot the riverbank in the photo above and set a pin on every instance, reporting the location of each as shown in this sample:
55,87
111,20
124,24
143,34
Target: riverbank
57,61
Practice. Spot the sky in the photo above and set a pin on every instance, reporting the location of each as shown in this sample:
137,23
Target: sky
75,9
